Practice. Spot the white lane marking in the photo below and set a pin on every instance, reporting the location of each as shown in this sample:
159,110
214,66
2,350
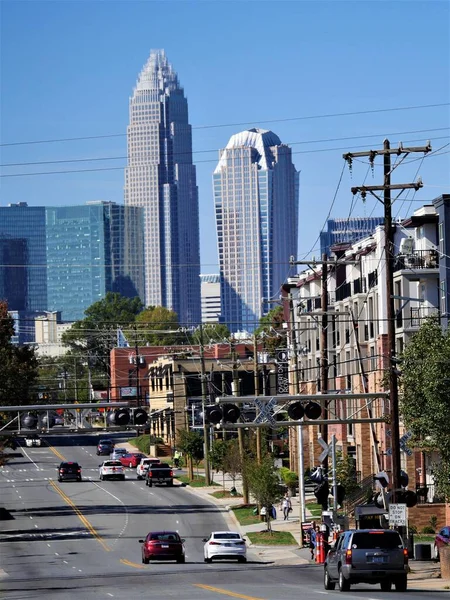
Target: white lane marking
112,596
20,497
65,561
80,571
31,517
127,516
56,554
37,526
29,457
48,545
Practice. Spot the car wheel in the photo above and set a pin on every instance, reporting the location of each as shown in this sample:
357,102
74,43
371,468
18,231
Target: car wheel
182,559
169,483
208,560
242,559
145,560
344,584
386,585
401,583
139,477
123,478
150,483
80,479
101,477
327,583
59,479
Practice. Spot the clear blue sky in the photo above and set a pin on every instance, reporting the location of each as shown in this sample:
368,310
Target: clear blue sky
68,69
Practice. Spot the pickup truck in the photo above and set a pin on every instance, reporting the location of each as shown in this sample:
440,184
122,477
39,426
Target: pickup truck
161,473
144,465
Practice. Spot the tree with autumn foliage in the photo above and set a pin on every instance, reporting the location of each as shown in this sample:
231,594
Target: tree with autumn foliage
19,366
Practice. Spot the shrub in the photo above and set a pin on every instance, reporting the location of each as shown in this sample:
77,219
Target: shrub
428,529
433,522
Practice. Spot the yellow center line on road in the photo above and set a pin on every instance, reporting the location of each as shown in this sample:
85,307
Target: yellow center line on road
225,592
55,451
80,515
124,561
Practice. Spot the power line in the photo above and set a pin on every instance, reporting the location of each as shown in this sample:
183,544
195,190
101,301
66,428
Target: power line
305,118
339,139
121,168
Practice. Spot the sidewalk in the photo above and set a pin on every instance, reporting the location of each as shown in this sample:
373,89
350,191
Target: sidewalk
423,575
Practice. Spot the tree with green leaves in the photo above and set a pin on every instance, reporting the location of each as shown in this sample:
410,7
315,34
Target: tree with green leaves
94,336
213,333
264,484
271,331
217,454
425,396
232,461
158,326
19,365
191,444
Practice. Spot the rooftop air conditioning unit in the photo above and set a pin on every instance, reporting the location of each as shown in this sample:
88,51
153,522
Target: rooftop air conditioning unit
407,246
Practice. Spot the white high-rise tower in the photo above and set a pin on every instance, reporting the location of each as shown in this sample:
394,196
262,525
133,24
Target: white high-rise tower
256,201
161,178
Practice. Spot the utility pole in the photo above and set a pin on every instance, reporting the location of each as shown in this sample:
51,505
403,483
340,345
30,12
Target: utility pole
324,353
204,399
256,376
235,392
386,188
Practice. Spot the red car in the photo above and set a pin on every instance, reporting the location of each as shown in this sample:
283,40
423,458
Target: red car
442,539
163,545
131,459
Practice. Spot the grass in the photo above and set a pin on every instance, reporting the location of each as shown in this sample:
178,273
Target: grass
274,538
245,516
314,509
423,537
225,494
198,481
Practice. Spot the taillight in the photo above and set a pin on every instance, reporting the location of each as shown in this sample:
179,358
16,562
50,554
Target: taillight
214,543
79,470
61,470
150,474
171,473
348,557
405,556
240,543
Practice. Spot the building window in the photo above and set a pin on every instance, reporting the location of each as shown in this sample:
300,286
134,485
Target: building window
441,239
443,299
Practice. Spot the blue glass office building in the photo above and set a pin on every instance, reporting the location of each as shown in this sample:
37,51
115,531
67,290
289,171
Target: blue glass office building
87,255
256,202
23,273
350,230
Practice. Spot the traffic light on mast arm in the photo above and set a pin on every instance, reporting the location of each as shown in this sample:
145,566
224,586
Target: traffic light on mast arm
229,413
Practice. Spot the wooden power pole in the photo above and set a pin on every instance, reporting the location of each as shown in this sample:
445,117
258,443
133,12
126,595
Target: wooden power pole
389,255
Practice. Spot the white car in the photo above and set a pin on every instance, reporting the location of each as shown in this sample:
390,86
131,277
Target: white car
143,466
111,469
225,544
32,440
117,453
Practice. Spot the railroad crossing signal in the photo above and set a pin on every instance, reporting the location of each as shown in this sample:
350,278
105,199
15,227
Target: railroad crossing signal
265,414
326,449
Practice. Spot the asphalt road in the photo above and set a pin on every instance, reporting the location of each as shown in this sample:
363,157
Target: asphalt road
80,540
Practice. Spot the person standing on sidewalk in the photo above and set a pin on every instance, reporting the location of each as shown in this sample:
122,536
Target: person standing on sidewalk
286,505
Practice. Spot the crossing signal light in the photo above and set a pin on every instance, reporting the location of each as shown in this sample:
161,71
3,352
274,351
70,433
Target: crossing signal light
48,422
229,413
407,497
296,411
313,410
120,416
29,421
140,416
321,492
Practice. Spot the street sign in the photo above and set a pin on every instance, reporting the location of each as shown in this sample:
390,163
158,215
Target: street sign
326,449
397,515
265,414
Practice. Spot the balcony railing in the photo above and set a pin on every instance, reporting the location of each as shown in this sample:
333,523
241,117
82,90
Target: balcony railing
415,317
419,259
426,494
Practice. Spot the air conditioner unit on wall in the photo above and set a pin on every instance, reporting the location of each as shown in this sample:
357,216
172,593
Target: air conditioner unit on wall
407,246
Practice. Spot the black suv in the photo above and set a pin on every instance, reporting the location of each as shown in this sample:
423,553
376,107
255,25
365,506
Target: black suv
69,471
367,556
105,447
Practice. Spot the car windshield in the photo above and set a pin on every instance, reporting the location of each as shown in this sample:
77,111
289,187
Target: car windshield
373,540
165,537
227,536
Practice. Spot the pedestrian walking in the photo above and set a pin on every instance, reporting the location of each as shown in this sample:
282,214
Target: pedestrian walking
313,541
286,505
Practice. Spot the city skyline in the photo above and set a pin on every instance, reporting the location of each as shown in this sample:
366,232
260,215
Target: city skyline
256,198
316,89
160,179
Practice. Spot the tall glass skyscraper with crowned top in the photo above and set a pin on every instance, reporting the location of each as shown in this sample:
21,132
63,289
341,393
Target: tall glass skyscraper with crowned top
256,201
161,178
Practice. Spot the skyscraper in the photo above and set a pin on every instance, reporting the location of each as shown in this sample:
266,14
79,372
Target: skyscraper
348,230
161,178
256,201
85,254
